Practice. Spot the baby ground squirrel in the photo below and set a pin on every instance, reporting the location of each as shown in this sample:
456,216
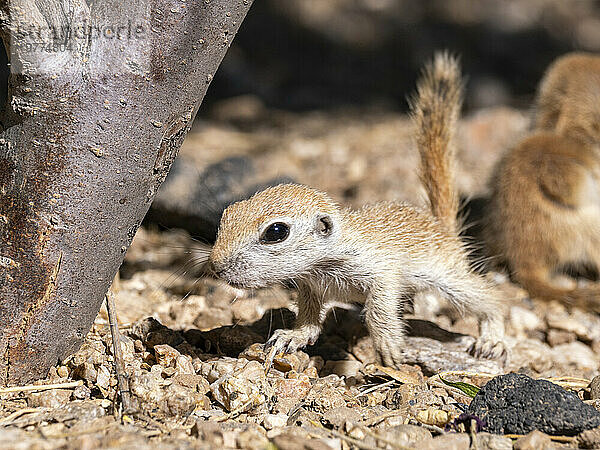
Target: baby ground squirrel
379,255
544,213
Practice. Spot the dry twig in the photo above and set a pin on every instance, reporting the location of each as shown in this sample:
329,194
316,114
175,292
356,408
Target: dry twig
8,420
382,417
236,412
378,386
41,387
269,357
122,379
566,439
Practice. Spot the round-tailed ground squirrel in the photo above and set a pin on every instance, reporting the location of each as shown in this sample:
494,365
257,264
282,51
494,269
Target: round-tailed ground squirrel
544,213
379,255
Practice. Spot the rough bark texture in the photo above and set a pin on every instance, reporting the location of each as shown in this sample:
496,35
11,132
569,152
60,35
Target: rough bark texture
89,133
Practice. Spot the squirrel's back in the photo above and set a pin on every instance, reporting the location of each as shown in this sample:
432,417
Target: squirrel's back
568,99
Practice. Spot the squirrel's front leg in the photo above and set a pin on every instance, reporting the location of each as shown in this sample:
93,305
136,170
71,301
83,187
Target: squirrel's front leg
309,322
383,315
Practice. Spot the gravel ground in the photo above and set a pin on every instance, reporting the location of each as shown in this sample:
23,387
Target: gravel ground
191,345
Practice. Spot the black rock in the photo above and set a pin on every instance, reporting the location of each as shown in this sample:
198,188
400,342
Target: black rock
194,200
518,404
151,332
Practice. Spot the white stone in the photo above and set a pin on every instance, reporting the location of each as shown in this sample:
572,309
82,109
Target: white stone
522,319
274,421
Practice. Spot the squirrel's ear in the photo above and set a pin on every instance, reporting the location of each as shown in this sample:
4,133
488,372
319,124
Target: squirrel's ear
324,225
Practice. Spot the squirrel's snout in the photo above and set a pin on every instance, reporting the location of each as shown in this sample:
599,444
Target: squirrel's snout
215,268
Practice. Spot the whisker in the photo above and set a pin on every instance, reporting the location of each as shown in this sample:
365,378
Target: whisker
181,272
282,318
188,248
191,289
200,259
237,323
202,241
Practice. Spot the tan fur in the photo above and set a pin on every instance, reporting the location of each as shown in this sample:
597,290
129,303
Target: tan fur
379,255
568,100
435,112
544,212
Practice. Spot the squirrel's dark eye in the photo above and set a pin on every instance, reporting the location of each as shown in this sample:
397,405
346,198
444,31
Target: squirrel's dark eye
276,232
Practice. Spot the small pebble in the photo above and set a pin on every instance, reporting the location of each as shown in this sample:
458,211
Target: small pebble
63,371
536,440
274,421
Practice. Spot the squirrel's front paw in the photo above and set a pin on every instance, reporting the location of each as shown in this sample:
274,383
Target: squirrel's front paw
489,349
288,341
389,351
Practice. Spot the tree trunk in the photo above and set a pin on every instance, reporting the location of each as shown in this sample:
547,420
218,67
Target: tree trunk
100,100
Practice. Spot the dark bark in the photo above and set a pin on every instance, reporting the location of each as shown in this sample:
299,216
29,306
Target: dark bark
90,132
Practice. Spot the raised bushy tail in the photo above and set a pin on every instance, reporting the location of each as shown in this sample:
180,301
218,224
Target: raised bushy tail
435,110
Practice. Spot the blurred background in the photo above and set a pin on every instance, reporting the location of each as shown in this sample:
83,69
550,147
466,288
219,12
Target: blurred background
321,54
307,54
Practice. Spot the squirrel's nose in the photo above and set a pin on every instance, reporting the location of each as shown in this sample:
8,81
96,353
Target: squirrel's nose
216,269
